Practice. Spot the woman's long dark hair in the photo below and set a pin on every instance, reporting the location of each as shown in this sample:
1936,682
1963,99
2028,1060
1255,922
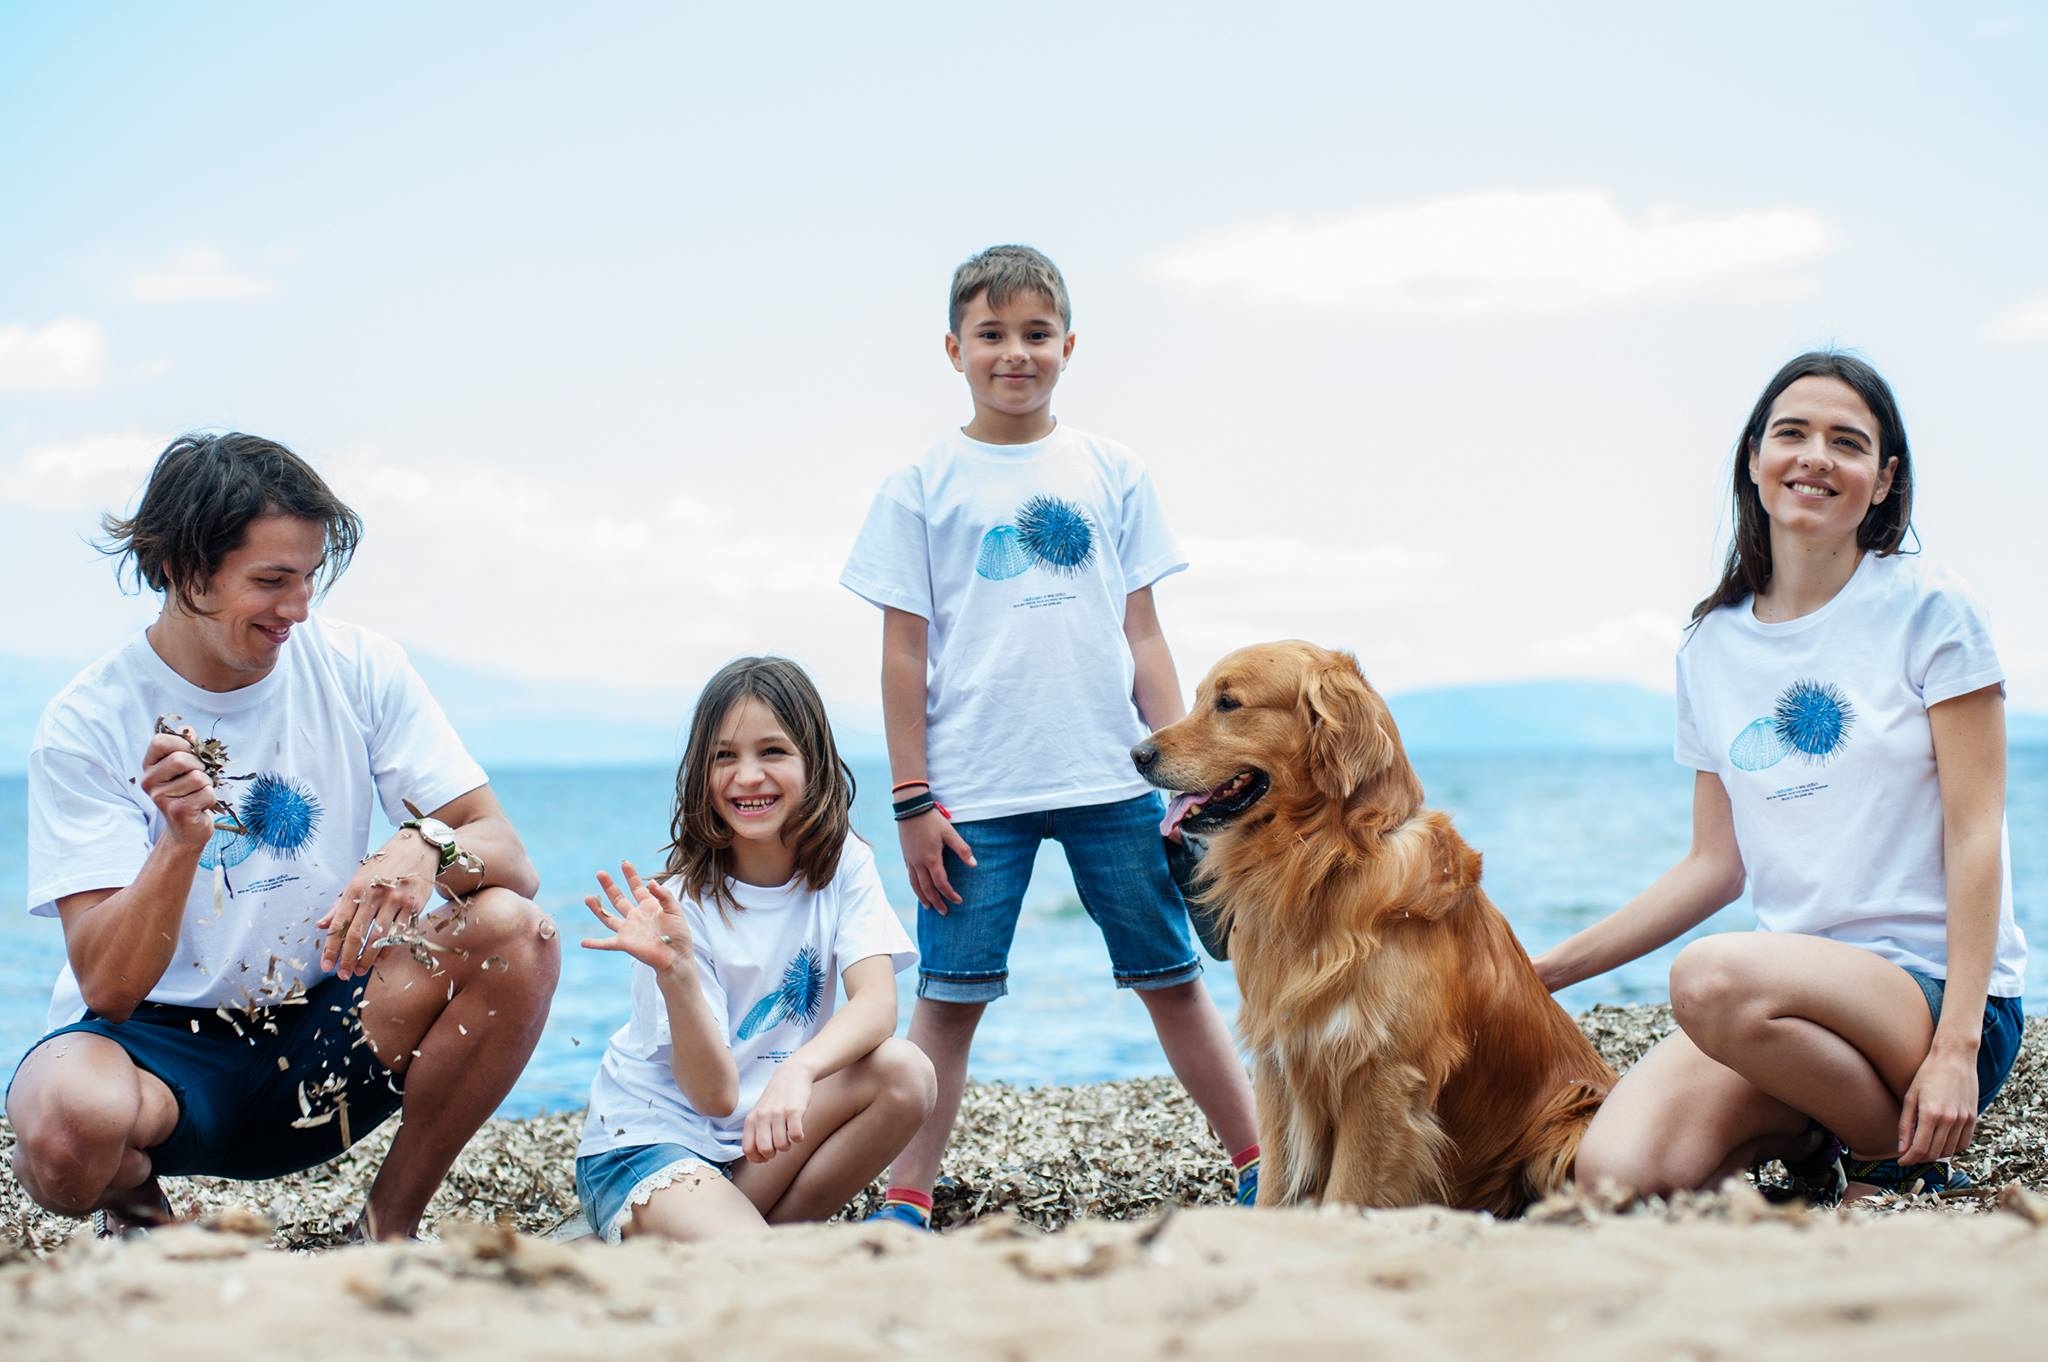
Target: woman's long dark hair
700,842
1748,569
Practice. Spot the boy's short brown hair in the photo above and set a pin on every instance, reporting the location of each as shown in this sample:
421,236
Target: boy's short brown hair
1005,271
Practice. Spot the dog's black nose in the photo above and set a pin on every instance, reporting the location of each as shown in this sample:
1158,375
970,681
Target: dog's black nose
1144,754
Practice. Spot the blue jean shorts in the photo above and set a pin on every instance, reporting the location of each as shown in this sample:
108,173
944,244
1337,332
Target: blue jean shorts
611,1184
1119,865
239,1081
2004,1024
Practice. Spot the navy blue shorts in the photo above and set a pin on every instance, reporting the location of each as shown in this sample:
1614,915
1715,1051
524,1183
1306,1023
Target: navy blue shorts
2004,1026
239,1083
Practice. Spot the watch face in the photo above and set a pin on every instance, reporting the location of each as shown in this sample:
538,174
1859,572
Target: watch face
437,832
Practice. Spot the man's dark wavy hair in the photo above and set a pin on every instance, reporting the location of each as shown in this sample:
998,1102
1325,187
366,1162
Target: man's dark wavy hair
197,505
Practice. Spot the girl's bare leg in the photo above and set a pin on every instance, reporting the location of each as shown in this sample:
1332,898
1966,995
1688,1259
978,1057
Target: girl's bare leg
859,1119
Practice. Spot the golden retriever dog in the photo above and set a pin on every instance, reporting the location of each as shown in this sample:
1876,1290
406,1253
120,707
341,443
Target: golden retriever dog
1404,1050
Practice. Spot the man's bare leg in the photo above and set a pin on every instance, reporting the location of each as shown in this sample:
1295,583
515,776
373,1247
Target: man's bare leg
459,1054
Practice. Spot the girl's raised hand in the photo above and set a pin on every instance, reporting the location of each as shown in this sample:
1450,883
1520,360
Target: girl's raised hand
645,920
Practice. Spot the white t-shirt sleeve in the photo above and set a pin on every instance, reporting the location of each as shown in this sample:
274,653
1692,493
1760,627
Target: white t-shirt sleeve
1145,548
649,1032
1686,745
890,565
868,926
414,751
1948,646
85,831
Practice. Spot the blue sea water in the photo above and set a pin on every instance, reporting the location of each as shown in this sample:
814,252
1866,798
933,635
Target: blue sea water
1566,838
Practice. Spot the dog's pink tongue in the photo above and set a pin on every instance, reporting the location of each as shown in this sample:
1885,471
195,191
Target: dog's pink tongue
1181,807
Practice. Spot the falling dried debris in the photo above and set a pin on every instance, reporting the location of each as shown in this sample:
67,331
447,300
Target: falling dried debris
1041,1157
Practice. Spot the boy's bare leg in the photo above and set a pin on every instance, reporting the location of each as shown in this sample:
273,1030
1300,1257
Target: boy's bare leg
1200,1052
944,1031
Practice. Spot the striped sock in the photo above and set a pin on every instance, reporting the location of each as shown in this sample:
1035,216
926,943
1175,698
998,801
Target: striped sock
1246,1161
910,1199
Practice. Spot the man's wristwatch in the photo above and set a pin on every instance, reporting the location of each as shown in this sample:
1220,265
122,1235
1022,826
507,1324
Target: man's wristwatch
439,836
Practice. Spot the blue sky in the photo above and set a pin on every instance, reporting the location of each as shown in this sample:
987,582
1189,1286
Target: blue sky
1435,323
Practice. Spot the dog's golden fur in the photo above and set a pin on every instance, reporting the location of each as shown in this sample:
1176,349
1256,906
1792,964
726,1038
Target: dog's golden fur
1404,1049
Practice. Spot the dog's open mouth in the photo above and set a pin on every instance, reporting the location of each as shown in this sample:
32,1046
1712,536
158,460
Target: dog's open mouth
1210,810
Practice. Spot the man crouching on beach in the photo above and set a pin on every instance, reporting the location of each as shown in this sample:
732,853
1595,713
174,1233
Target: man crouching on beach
247,993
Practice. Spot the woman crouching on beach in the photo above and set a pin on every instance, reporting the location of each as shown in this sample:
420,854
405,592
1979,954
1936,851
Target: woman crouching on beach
1844,710
735,1097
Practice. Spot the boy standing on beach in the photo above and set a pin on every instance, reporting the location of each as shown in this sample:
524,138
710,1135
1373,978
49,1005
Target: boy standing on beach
1014,566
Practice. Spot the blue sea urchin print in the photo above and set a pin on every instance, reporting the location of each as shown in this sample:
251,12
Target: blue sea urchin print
1002,556
1814,719
1057,535
279,813
798,999
226,848
1758,747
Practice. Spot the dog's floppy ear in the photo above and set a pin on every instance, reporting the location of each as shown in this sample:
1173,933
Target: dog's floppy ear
1344,740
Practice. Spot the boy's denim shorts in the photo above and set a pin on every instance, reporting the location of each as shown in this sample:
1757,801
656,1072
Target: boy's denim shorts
238,1082
1119,865
2004,1024
611,1184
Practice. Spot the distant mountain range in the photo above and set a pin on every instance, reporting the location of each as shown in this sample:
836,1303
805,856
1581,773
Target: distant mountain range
509,723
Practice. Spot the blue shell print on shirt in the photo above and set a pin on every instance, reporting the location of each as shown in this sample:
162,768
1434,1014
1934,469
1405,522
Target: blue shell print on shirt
801,994
1049,533
1810,720
280,814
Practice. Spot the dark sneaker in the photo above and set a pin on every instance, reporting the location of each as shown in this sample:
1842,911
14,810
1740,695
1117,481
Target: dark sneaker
1888,1175
1818,1179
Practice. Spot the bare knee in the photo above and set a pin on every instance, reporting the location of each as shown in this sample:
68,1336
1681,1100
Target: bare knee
951,1021
514,938
1715,997
1611,1160
70,1136
904,1077
1174,998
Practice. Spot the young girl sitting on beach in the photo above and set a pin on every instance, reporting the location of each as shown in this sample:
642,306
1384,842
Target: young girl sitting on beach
1844,710
735,1097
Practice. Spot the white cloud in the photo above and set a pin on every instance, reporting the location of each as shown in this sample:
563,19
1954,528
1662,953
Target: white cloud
1494,251
1636,646
2025,324
198,273
64,356
95,472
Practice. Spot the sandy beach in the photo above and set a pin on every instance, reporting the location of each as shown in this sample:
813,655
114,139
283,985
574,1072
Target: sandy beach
1143,1262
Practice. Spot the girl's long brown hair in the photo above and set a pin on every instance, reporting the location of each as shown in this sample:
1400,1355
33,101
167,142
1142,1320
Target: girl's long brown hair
1748,569
699,849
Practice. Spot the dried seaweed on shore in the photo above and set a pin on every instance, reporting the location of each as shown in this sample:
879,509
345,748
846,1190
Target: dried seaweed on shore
1043,1156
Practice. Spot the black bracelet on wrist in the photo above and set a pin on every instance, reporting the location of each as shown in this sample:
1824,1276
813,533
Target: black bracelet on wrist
915,805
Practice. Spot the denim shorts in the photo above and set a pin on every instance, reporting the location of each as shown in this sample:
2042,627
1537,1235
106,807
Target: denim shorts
1119,865
239,1083
611,1184
2004,1024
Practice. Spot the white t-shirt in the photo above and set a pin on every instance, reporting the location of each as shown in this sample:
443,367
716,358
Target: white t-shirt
772,974
1818,729
1021,557
341,725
